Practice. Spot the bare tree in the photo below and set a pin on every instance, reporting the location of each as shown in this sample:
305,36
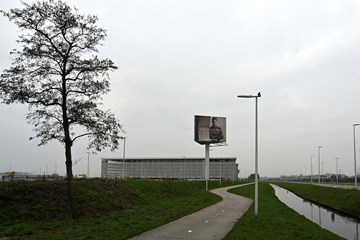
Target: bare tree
57,74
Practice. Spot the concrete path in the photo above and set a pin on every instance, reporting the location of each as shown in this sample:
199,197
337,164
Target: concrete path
213,222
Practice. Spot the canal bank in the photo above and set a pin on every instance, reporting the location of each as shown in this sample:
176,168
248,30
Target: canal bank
275,220
344,201
341,225
333,185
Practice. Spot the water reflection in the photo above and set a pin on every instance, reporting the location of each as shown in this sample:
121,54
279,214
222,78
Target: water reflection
345,227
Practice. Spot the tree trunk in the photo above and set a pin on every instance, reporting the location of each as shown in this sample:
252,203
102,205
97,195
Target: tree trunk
69,180
68,145
68,157
69,177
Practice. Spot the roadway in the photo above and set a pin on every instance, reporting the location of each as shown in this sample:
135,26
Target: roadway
329,184
213,222
335,185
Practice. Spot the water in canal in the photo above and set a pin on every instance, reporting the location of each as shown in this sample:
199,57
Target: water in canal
345,227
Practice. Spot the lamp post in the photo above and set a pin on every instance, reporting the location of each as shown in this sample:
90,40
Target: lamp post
354,125
337,173
88,168
207,165
123,170
319,163
256,149
311,167
220,173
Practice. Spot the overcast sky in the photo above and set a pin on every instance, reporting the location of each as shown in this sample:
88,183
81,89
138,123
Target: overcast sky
182,58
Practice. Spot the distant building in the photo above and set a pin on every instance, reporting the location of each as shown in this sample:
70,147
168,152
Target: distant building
168,168
24,176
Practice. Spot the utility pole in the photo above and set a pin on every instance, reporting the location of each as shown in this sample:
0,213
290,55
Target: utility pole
88,165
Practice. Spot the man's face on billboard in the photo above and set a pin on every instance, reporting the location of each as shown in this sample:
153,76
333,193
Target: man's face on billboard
214,120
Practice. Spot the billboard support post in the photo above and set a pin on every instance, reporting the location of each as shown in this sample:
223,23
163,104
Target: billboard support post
209,130
207,164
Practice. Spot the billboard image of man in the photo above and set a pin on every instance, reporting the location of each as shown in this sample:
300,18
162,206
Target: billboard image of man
216,134
209,129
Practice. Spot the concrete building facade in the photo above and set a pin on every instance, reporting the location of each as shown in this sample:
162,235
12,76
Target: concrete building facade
168,168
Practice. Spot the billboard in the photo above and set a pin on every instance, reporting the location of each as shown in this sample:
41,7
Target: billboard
209,129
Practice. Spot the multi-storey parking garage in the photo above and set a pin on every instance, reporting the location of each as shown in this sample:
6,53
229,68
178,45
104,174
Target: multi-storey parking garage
168,168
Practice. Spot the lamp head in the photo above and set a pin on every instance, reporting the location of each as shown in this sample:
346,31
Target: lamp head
250,96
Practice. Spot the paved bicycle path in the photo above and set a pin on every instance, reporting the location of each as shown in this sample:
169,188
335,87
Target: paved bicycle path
213,222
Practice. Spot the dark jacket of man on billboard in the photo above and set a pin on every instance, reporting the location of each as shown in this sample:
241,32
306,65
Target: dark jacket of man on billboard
216,133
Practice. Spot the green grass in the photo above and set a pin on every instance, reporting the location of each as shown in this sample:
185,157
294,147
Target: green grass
109,209
275,220
115,209
343,200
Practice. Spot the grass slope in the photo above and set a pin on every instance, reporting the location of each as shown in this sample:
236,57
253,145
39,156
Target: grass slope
109,209
343,200
275,220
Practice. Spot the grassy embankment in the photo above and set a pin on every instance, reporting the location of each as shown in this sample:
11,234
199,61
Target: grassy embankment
342,200
114,209
109,209
275,220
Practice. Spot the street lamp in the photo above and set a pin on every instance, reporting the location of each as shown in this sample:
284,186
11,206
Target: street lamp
337,173
256,149
311,167
88,167
354,125
220,171
123,172
319,162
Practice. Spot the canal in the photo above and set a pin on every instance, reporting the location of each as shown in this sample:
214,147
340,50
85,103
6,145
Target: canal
343,226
